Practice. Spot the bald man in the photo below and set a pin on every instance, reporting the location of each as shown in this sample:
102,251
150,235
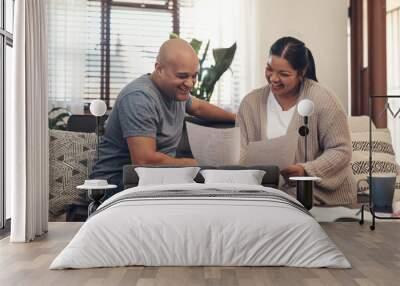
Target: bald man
145,124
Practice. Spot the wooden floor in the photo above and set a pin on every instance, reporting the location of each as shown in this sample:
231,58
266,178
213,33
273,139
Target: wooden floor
374,255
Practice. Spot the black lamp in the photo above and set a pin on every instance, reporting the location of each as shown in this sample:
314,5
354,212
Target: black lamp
96,188
305,108
305,184
98,108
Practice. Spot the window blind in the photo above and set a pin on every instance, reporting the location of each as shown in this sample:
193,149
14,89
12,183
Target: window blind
135,36
67,52
75,46
137,29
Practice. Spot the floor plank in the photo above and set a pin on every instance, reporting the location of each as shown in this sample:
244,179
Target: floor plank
374,255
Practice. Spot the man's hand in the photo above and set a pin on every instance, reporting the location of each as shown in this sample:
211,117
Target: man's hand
293,171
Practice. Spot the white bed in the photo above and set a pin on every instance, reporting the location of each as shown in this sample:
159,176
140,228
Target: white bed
242,226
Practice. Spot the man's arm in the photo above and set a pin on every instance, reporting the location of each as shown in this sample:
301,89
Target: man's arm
143,152
205,110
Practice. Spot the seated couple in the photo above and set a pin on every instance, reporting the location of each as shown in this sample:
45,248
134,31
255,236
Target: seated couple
145,124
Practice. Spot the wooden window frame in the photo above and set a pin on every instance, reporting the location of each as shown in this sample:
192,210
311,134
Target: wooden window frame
105,31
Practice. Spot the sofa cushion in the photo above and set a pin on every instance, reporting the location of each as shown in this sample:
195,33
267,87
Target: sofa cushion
183,149
71,156
383,158
360,123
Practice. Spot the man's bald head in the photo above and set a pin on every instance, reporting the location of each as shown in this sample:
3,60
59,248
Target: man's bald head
174,51
176,69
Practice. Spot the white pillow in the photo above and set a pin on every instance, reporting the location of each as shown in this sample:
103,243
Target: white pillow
164,176
249,177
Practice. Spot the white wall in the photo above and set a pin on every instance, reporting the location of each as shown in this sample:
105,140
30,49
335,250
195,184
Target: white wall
321,24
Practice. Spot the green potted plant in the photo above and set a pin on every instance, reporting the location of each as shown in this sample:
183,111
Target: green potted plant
58,118
208,76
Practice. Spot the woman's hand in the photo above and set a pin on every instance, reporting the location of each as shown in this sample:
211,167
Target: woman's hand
293,171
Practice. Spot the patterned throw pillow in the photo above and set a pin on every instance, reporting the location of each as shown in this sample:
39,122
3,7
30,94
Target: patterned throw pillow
383,158
71,156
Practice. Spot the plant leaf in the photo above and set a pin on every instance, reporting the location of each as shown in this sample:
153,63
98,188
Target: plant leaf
173,36
223,59
196,45
62,115
203,58
58,121
209,80
55,109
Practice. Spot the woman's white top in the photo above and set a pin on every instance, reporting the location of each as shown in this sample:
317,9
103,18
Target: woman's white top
278,120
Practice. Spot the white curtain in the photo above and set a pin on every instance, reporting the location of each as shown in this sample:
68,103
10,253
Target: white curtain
26,130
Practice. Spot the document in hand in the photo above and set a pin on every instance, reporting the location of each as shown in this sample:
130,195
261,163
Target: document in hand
279,151
214,146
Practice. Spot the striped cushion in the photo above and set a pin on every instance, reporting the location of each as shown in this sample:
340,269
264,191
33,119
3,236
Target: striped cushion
383,157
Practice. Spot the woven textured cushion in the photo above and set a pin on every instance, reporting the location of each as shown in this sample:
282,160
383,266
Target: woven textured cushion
383,158
71,156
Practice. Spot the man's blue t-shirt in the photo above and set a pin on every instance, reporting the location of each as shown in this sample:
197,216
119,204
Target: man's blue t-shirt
140,110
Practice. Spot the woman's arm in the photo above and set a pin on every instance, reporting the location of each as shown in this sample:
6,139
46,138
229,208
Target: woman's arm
205,110
242,120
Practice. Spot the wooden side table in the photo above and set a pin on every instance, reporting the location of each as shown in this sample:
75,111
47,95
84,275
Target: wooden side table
304,190
95,194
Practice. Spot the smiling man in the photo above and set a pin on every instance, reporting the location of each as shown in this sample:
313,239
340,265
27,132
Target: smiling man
145,125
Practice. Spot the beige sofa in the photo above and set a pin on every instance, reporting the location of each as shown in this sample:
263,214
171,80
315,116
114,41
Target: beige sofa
72,154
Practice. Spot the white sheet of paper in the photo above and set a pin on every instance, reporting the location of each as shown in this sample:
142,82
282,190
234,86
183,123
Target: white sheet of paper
279,151
214,146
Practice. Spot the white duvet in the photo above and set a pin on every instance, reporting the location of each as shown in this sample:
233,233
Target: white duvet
185,231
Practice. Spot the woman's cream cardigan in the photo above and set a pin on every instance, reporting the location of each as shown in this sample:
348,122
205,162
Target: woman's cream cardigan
328,143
